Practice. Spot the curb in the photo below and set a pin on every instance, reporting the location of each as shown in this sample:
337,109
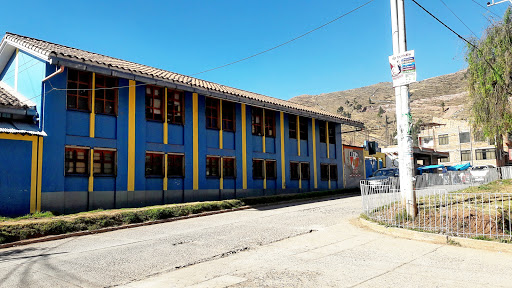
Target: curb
437,238
108,229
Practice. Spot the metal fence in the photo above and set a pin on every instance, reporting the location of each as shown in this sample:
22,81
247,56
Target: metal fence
485,215
465,178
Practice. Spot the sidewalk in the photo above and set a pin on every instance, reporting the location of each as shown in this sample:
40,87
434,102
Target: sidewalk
345,255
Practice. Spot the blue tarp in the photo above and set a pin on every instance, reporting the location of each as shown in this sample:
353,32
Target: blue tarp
460,167
430,167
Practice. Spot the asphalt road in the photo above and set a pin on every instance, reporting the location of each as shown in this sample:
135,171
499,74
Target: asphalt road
123,256
307,244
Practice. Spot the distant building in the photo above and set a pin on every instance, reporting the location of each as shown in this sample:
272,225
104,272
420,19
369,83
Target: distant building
82,131
461,143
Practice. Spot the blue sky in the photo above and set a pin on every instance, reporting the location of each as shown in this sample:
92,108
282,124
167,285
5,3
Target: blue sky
194,35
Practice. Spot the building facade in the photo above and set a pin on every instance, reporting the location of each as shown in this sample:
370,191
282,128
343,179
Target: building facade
108,133
457,138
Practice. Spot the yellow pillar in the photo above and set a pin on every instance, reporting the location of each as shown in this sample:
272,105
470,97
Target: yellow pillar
166,126
244,149
195,140
283,167
92,116
314,155
131,136
221,141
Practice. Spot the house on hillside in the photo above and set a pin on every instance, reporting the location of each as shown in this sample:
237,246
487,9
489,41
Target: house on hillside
82,131
463,145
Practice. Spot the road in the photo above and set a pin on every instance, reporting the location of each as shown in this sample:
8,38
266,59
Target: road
293,245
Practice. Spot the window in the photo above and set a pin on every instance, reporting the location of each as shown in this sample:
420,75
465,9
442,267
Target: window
443,139
304,170
154,164
154,103
271,169
328,172
303,125
324,172
257,121
79,90
228,116
333,172
322,130
228,167
294,170
175,165
465,155
175,107
212,166
332,133
445,159
257,169
76,161
212,113
485,154
464,137
292,126
105,99
270,123
104,162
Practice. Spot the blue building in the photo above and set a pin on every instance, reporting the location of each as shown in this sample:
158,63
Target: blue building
82,131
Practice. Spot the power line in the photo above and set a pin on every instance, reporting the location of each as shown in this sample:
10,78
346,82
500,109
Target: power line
486,8
458,18
287,42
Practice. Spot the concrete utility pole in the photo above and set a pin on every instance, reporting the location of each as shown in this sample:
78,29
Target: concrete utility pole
403,113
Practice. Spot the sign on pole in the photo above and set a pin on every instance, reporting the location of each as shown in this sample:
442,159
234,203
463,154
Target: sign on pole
403,68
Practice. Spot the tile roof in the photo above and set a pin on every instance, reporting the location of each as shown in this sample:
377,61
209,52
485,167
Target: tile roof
52,50
8,99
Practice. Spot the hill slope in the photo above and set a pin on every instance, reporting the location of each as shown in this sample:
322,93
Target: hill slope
364,104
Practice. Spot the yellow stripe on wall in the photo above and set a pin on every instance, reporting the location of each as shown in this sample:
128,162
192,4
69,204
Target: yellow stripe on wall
283,171
195,132
166,126
165,169
327,137
39,174
244,150
92,116
264,148
298,139
33,177
221,141
131,136
91,171
221,182
314,154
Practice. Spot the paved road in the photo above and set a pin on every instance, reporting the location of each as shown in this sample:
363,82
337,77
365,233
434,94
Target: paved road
296,245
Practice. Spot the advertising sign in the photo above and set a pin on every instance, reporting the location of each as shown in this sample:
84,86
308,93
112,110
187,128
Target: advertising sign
403,68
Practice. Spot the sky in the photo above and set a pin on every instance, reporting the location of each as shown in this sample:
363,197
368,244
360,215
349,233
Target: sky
191,36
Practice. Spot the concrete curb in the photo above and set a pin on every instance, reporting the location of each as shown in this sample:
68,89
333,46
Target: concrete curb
108,229
437,238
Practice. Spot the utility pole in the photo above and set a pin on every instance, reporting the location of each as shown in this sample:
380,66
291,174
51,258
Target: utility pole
403,113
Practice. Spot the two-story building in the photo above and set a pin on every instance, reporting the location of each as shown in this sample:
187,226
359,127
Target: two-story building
81,131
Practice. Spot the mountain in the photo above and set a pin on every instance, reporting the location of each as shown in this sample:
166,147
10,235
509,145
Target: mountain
363,104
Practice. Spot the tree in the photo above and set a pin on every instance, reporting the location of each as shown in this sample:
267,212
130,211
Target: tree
358,107
490,81
340,109
381,111
442,106
415,131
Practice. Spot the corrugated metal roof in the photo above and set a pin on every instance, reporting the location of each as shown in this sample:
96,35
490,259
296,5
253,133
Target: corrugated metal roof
50,50
16,127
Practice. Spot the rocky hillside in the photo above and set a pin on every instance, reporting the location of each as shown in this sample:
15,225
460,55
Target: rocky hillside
442,96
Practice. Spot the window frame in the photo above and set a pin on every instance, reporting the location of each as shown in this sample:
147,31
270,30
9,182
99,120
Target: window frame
152,95
331,129
484,154
102,88
322,131
212,106
153,155
257,113
262,170
74,160
292,177
444,161
292,127
307,177
333,176
230,158
443,137
330,175
274,163
70,92
102,152
270,123
303,128
465,153
232,119
209,166
171,101
464,133
176,155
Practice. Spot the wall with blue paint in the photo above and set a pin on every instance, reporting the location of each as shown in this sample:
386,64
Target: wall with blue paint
7,76
31,70
15,179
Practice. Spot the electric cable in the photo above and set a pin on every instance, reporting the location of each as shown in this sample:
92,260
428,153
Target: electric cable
287,42
485,8
458,18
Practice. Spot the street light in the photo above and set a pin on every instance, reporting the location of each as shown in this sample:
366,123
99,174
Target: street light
489,4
